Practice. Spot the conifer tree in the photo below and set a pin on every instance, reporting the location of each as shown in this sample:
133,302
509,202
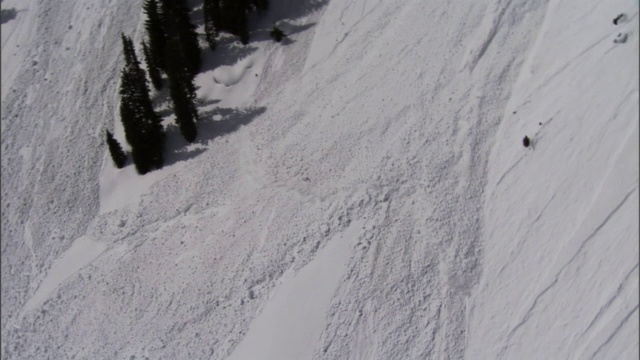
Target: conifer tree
142,126
210,9
117,154
182,91
231,16
238,22
155,32
154,72
176,23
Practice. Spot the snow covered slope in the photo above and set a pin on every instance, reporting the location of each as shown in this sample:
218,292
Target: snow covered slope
560,266
357,192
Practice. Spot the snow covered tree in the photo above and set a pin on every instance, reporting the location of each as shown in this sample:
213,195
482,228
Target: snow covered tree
152,68
117,154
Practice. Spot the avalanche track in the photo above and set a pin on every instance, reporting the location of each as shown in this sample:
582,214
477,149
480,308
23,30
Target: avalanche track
360,187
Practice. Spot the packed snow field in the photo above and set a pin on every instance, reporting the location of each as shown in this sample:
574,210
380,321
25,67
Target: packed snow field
359,191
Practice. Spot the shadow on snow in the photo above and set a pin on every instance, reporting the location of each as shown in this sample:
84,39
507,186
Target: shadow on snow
212,124
283,13
222,121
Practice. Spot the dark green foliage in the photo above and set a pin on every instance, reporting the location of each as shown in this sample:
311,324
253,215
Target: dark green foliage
154,72
177,25
155,32
277,34
210,9
142,126
182,91
117,154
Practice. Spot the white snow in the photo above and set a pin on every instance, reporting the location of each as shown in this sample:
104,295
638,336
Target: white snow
358,191
291,322
82,252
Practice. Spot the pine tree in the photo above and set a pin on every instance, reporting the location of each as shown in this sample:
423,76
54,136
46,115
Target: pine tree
142,126
182,91
210,9
177,24
154,72
127,50
155,32
117,154
231,17
238,20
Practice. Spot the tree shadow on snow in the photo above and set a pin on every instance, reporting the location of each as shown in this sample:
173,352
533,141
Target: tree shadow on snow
200,103
212,124
292,29
293,9
287,28
283,13
228,51
222,121
162,100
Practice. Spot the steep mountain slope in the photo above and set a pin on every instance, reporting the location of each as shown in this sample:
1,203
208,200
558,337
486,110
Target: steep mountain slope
359,191
561,260
59,67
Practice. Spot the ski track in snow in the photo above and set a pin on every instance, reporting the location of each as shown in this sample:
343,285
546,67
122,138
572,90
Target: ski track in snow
398,123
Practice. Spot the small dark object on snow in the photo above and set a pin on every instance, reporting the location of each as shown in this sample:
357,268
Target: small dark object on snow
617,19
277,34
621,38
526,142
515,112
539,123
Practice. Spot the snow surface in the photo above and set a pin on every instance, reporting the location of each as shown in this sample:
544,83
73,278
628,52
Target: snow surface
359,191
293,319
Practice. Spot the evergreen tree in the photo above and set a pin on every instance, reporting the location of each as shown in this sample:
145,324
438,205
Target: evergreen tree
238,21
142,126
128,50
156,33
210,9
231,17
177,24
182,91
154,72
117,154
